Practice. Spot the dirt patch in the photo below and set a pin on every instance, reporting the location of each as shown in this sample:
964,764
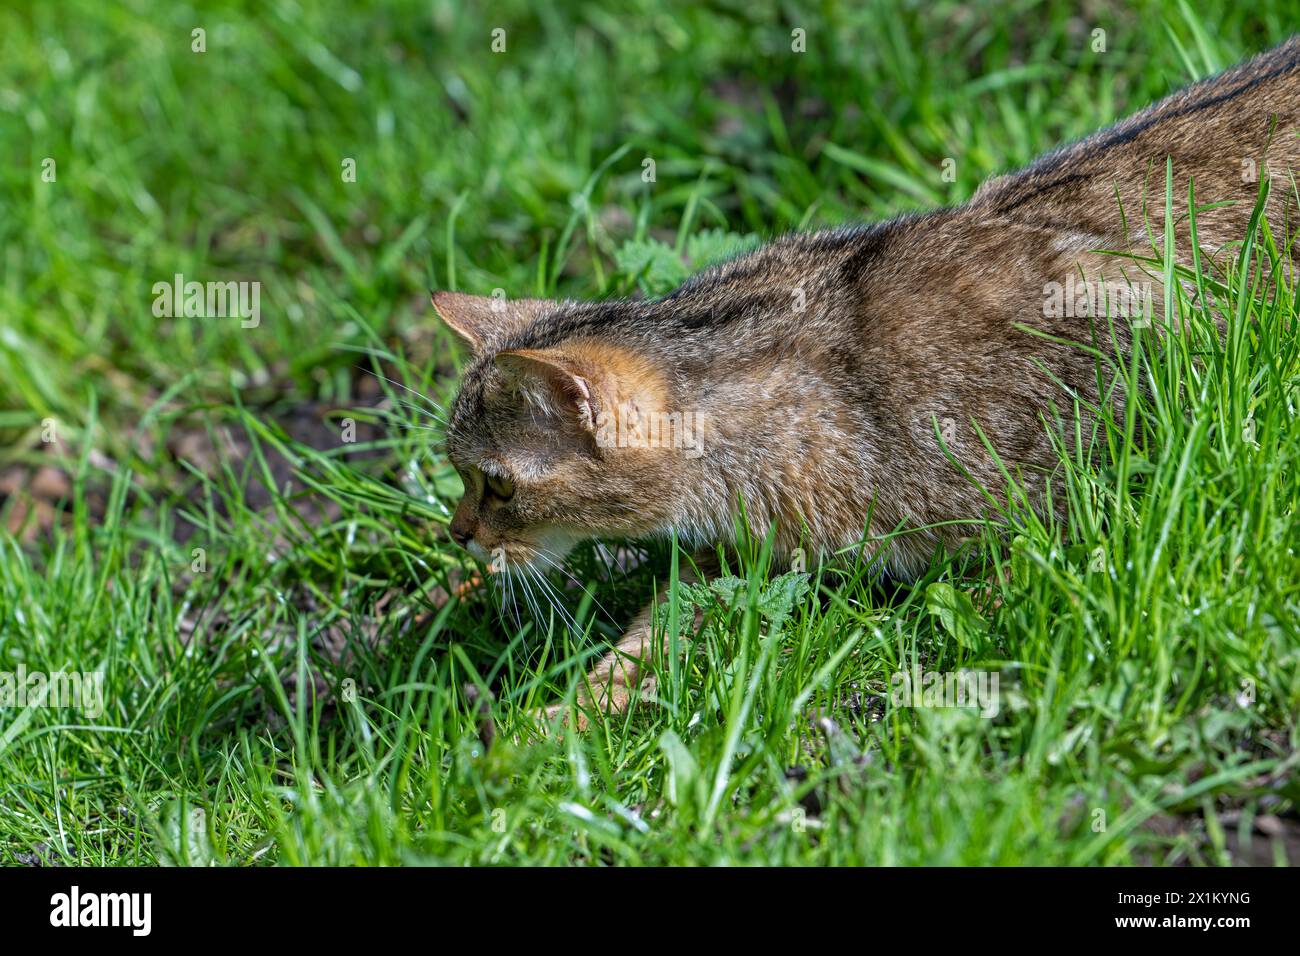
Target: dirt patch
212,448
1256,840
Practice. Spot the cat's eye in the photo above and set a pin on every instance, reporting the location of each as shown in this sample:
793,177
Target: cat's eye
502,488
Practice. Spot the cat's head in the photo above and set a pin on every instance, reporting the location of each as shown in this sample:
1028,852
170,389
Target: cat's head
539,431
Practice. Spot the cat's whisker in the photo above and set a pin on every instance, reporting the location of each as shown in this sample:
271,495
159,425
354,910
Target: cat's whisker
538,597
547,601
417,410
552,598
612,561
526,586
527,581
551,559
501,592
418,394
545,593
508,599
411,426
603,554
514,601
396,405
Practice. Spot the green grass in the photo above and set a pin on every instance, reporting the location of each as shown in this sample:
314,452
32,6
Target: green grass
1148,653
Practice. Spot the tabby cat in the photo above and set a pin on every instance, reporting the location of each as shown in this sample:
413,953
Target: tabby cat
843,384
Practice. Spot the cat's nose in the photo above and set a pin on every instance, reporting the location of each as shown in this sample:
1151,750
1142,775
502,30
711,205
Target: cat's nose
461,532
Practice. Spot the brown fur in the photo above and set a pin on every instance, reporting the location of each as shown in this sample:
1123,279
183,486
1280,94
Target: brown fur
823,416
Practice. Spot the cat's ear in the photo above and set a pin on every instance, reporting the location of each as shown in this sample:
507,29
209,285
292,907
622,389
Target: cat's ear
554,381
479,319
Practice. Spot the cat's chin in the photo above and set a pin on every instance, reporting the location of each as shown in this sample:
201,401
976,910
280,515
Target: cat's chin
547,553
552,548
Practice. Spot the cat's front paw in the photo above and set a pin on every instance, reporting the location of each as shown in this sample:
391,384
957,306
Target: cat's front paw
611,700
561,715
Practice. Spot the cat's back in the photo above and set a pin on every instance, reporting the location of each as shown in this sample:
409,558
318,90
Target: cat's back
1222,133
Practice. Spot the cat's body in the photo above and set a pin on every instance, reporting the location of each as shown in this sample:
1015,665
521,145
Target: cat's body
810,377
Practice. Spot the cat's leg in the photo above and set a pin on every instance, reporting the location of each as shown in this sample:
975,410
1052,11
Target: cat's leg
621,672
624,671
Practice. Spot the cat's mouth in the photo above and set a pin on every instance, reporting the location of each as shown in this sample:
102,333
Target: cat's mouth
547,552
478,551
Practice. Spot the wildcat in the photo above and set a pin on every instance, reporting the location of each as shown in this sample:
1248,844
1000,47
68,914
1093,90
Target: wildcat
843,384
